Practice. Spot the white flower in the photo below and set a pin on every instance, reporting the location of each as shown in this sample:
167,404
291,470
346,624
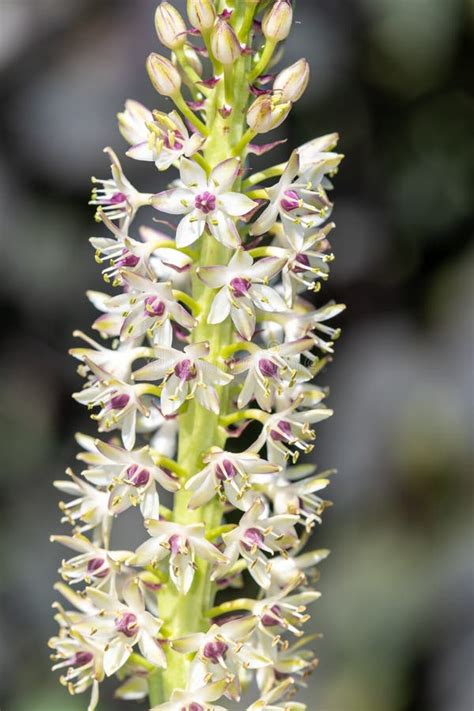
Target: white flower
287,433
133,122
313,154
182,544
119,626
89,506
270,371
303,201
154,256
149,308
222,652
195,699
304,324
306,255
288,570
165,140
116,196
185,374
287,661
83,661
293,491
116,361
118,401
273,700
255,535
130,477
229,475
242,287
206,202
93,564
284,612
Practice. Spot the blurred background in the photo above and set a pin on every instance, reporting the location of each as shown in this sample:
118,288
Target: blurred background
392,77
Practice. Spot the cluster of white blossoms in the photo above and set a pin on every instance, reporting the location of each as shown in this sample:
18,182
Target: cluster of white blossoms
211,331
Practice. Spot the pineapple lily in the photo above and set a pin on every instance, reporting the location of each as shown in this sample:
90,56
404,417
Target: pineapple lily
211,331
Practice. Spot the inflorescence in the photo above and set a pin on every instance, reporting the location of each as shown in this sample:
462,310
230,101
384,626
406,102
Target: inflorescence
208,334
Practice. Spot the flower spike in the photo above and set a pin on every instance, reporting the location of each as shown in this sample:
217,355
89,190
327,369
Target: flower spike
208,327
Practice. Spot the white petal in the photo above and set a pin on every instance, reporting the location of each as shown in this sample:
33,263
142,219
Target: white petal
244,320
151,650
116,656
192,174
190,229
236,204
220,308
215,277
266,298
240,262
223,175
266,220
140,151
176,201
223,229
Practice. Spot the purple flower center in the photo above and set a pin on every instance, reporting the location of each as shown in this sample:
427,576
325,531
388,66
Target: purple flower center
252,537
118,402
80,659
117,199
267,368
153,306
195,707
96,567
138,476
290,201
176,144
175,544
225,470
206,202
301,263
126,624
269,619
240,286
215,650
185,370
128,259
283,433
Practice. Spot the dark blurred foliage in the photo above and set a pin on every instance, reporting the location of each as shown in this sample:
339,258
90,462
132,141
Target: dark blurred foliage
392,77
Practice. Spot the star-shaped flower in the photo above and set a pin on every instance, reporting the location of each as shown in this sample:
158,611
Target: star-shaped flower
271,370
149,307
165,140
182,544
256,535
206,202
116,196
186,374
243,286
231,476
119,626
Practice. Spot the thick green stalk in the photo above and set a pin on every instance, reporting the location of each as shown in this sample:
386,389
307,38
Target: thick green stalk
198,428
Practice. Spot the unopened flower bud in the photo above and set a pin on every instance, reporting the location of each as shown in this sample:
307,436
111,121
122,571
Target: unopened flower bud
293,81
267,112
276,24
224,43
201,13
170,26
192,59
164,77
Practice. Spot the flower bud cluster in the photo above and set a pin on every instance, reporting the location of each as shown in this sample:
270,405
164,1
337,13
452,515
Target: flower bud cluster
210,329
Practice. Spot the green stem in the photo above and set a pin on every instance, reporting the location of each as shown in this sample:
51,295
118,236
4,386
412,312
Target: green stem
190,115
264,60
200,429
